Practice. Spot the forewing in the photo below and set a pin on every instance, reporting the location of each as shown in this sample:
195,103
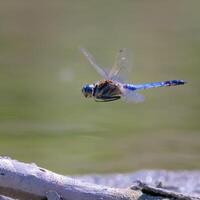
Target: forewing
92,61
131,96
122,66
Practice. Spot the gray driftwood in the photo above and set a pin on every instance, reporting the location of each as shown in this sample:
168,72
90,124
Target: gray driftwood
28,181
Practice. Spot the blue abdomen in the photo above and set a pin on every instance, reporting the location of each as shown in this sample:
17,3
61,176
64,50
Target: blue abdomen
153,85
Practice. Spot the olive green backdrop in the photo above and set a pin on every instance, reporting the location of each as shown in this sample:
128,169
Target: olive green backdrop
45,119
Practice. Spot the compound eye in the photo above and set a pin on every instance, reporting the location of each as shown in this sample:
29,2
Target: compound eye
85,92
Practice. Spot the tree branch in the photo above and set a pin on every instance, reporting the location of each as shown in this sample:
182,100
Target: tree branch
28,181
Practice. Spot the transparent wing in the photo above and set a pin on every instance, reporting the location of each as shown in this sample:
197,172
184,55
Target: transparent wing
122,66
92,61
132,96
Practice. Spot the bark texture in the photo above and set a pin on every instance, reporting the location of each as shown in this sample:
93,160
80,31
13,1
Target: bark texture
24,181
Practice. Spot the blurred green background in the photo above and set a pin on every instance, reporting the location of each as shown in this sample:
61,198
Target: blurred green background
45,119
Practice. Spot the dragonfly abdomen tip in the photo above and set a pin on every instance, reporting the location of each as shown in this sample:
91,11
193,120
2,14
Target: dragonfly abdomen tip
175,82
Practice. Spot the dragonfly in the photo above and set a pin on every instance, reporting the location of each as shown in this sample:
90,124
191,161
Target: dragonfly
113,85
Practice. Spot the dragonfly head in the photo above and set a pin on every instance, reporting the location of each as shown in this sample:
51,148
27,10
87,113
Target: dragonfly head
87,90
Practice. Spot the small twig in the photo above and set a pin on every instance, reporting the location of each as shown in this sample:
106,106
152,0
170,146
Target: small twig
5,198
52,195
155,191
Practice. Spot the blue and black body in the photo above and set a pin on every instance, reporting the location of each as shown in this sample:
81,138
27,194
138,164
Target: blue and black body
109,90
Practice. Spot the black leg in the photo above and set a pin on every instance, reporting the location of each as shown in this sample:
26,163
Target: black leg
107,99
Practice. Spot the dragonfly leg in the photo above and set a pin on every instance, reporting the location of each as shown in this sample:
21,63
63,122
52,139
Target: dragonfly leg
107,98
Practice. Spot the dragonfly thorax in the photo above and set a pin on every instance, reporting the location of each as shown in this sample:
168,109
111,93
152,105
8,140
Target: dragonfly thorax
107,90
87,90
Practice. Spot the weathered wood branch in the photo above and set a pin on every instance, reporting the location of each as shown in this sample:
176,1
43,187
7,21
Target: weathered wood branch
28,181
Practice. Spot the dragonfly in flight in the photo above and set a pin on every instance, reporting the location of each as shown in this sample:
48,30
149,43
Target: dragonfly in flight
113,86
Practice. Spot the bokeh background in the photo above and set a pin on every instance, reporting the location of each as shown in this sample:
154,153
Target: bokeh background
45,119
